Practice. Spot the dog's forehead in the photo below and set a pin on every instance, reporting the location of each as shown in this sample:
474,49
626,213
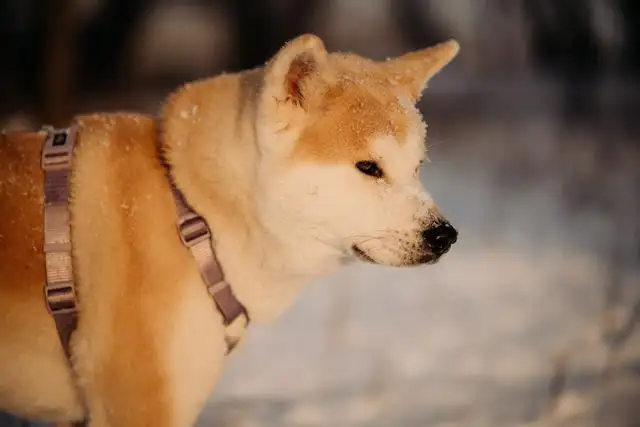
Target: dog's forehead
397,158
354,116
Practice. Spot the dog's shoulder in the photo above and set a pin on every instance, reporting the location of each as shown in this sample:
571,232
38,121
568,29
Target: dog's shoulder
118,160
116,133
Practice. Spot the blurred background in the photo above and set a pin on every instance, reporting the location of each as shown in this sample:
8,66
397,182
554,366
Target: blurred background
534,141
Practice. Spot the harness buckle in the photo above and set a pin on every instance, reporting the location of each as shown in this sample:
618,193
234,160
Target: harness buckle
193,229
57,150
60,298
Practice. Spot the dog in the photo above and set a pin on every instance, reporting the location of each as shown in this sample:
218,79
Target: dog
298,167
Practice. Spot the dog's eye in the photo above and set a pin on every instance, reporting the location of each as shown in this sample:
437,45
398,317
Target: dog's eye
370,168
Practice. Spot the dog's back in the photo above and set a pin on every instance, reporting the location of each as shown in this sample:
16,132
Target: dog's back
21,198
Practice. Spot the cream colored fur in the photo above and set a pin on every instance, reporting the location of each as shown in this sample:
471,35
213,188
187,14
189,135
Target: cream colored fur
268,157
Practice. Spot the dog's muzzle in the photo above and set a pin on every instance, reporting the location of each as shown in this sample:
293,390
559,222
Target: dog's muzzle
439,238
432,243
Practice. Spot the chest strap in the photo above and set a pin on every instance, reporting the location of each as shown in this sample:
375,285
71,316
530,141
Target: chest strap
196,235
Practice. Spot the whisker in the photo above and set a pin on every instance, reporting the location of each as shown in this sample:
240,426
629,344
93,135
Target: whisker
436,143
439,162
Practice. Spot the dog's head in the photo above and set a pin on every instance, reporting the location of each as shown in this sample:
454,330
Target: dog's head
341,143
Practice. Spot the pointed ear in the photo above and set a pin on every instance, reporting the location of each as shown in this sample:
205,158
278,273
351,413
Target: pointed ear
291,73
414,70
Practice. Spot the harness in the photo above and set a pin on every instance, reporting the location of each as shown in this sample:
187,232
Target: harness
59,289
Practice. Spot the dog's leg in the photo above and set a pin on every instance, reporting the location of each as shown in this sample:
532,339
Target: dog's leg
156,368
151,394
150,397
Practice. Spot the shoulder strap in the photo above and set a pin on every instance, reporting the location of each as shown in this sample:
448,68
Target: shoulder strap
59,288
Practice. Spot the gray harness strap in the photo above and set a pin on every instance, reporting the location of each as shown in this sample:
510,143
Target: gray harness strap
59,289
196,235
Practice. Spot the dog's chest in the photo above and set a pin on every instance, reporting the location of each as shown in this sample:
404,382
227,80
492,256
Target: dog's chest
195,351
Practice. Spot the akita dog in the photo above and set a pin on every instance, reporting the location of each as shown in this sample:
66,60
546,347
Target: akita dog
296,167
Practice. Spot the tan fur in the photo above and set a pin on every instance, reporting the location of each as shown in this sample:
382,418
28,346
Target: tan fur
150,344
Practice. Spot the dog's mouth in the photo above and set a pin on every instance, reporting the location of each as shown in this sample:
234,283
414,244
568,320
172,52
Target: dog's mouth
362,255
428,259
422,259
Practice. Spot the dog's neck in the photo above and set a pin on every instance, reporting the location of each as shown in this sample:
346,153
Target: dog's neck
209,139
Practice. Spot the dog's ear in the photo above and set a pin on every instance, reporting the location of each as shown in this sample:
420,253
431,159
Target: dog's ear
413,70
291,75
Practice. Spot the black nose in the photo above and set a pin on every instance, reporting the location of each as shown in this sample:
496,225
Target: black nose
440,238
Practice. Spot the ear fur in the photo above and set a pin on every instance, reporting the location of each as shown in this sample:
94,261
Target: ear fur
413,70
291,72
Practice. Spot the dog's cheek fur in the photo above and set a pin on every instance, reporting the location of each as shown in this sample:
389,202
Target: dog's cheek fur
337,205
